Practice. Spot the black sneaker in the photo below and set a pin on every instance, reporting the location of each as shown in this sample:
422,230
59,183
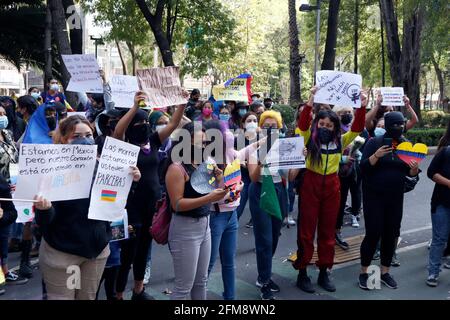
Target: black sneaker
432,281
304,284
363,277
25,270
141,296
325,282
395,262
13,279
266,293
388,281
340,241
272,285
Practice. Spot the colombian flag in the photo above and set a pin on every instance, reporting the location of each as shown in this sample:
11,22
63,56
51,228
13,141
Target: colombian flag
108,195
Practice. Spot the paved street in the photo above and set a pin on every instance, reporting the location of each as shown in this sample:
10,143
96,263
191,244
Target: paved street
411,275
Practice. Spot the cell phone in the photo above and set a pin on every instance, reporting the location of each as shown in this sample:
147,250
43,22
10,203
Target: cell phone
387,142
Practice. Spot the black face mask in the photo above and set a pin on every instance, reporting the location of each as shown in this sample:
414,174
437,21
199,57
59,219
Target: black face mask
325,135
346,119
139,134
84,141
51,122
395,132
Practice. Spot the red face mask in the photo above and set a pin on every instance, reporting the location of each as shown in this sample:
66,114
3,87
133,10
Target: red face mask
206,112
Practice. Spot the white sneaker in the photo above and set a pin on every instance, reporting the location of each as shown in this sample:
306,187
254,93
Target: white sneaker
147,274
290,221
355,223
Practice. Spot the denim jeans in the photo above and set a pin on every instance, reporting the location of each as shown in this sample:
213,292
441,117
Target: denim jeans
16,231
266,229
4,237
224,227
291,195
244,196
441,229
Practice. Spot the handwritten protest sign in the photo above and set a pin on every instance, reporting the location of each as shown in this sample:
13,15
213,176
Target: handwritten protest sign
119,228
82,114
162,85
123,89
338,88
56,171
113,180
286,154
237,89
392,96
84,72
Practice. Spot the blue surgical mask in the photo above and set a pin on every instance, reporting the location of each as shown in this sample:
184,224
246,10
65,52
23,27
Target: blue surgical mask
224,116
379,132
83,141
242,112
35,95
3,122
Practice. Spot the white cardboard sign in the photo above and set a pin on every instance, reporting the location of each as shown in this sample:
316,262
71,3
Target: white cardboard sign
84,72
123,89
392,96
338,88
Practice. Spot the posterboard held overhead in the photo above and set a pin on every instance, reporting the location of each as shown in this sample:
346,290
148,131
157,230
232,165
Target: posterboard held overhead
84,73
338,88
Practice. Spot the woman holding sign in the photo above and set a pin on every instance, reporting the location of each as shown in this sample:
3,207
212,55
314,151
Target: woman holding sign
74,248
134,128
320,191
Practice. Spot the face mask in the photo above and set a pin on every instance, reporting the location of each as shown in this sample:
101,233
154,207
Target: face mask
206,112
158,128
138,135
83,140
395,132
51,121
242,112
379,132
54,87
224,117
3,122
35,95
268,105
251,126
325,135
346,119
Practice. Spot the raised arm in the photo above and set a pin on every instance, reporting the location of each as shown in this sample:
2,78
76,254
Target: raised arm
370,116
165,133
414,119
124,122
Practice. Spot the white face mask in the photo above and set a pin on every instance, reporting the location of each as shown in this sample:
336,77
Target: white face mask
160,127
3,122
54,87
251,126
35,95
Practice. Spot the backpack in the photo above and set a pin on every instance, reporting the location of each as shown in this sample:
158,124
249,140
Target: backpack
161,219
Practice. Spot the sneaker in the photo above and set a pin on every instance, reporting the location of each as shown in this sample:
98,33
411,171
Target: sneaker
447,265
376,256
147,274
395,262
325,282
266,293
429,244
432,281
141,296
290,221
2,291
304,283
340,241
249,224
272,285
388,281
25,270
12,278
362,281
355,223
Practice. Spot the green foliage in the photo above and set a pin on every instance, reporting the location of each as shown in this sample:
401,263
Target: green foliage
287,112
430,137
435,119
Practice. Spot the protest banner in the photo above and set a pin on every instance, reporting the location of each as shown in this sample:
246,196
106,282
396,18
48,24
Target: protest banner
113,180
237,89
25,212
84,72
162,86
70,114
392,96
119,228
123,89
55,171
338,88
286,154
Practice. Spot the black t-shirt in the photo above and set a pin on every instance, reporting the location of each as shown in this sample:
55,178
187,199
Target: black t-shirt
141,202
190,193
440,164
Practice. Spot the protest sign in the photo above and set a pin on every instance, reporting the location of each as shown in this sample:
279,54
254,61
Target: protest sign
286,154
84,73
119,228
123,89
25,212
392,96
338,88
55,171
162,86
70,114
113,180
237,89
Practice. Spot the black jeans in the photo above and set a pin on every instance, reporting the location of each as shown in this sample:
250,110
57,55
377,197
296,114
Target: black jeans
352,184
383,215
134,251
110,277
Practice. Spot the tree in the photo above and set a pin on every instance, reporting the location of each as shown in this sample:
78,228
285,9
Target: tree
294,57
75,28
332,31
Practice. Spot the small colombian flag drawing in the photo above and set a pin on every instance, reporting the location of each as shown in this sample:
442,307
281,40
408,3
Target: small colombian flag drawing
108,195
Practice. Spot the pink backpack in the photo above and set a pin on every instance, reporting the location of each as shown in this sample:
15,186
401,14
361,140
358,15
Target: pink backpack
161,220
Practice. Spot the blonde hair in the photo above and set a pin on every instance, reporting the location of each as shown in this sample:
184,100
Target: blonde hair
338,109
271,114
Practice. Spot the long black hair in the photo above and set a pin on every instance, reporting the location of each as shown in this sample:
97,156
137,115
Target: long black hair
445,140
314,145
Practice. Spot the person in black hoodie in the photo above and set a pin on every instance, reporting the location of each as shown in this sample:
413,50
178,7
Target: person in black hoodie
69,237
383,177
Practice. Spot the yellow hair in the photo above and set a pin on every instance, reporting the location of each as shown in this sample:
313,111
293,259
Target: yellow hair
271,114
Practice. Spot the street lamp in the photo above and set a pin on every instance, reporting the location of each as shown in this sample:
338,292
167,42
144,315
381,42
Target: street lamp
97,41
309,8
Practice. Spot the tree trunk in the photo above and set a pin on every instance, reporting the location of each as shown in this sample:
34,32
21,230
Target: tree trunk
133,56
383,53
440,80
155,22
48,46
122,60
294,58
75,27
330,44
356,37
